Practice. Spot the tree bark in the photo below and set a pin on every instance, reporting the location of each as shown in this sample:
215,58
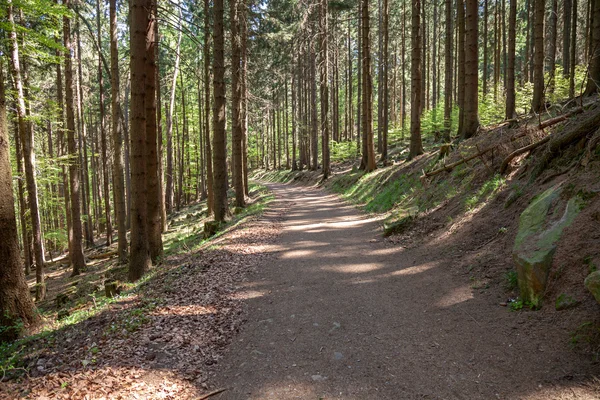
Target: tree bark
207,139
154,191
537,104
593,81
324,85
77,258
15,302
367,101
471,122
449,71
117,136
219,135
416,145
139,261
28,156
510,70
103,143
460,79
566,50
236,102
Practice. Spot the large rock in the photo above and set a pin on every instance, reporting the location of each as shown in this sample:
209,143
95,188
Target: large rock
592,283
540,227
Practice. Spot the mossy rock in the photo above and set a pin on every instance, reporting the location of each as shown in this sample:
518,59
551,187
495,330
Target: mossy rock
540,227
592,283
564,302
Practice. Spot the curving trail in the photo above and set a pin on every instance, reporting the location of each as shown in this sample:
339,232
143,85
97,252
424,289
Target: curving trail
339,313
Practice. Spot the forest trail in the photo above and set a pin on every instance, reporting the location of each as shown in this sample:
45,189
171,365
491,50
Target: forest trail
340,313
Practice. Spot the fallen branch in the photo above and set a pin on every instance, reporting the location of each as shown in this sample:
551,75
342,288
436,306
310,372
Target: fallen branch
580,130
457,163
553,121
102,256
213,393
520,151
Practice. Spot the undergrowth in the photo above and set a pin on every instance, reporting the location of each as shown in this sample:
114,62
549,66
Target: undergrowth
182,237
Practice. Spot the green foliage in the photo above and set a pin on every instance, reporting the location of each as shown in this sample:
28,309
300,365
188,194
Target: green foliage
511,280
486,191
343,151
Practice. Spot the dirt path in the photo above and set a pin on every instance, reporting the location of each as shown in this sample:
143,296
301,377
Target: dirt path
339,313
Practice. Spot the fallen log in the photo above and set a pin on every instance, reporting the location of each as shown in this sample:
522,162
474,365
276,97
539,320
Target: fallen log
449,167
520,151
582,129
102,256
553,121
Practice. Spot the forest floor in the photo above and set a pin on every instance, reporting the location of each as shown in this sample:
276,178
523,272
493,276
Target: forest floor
308,301
342,313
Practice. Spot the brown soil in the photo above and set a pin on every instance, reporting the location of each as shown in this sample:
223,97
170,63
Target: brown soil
341,313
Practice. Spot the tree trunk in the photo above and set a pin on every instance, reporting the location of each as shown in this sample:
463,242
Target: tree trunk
367,100
552,35
593,81
566,50
471,122
485,48
207,140
385,93
416,145
573,50
154,191
510,71
235,11
169,191
460,80
103,142
77,258
118,177
29,158
537,104
324,85
15,302
139,263
448,76
219,135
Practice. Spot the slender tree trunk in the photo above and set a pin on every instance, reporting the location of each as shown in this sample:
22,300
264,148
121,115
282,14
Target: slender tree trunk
566,50
510,73
471,123
385,90
573,50
416,146
460,96
367,91
154,191
25,228
448,75
15,302
593,81
87,223
77,258
244,84
236,102
117,136
485,47
537,103
207,139
139,263
103,142
219,135
359,86
324,62
29,158
170,114
552,37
